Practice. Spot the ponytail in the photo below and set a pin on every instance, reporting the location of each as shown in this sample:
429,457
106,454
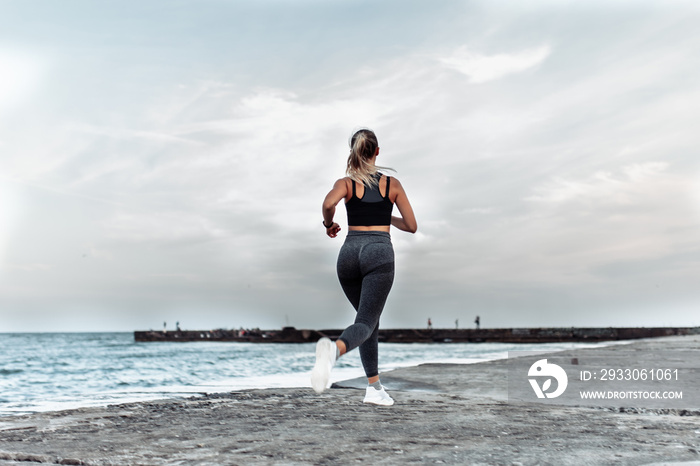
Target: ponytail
363,146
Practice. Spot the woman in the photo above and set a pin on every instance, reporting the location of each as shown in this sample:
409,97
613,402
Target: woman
366,260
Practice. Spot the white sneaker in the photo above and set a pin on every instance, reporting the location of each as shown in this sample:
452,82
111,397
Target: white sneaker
325,360
378,397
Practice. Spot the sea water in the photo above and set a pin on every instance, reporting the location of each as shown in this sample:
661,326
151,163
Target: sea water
56,371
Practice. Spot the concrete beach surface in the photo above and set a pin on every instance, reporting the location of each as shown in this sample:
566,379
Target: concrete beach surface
444,414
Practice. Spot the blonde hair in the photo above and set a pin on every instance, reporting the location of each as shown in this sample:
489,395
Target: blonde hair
363,147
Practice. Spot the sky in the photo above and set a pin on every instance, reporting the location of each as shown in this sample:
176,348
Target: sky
165,161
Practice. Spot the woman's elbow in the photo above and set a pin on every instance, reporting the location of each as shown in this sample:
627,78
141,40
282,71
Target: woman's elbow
412,228
328,206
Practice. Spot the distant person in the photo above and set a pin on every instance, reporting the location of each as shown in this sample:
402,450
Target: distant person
430,324
165,327
366,260
456,324
477,321
177,326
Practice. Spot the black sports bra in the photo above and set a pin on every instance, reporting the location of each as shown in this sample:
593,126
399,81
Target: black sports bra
373,209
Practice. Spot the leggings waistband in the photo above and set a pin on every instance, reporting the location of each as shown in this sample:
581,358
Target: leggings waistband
369,233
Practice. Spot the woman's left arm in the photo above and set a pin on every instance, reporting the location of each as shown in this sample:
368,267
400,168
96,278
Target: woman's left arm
339,191
407,221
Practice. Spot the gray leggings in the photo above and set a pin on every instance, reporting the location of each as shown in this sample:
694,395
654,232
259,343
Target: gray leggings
366,273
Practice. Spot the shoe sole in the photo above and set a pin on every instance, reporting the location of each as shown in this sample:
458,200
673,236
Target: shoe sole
379,403
321,372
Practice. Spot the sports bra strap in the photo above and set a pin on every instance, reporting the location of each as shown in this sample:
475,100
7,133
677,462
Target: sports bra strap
386,194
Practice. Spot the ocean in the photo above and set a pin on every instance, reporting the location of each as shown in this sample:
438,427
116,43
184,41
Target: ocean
57,371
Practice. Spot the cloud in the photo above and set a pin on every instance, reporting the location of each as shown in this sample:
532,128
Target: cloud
625,227
30,267
483,68
636,180
129,134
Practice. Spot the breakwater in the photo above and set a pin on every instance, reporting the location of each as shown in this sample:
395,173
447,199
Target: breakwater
436,335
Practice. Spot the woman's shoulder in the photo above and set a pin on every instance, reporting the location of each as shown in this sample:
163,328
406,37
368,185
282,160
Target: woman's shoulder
394,181
395,189
345,184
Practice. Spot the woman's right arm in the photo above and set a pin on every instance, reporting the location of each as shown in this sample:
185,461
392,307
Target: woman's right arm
339,191
407,221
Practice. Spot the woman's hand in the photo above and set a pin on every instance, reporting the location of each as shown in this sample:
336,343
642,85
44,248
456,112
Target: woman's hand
333,230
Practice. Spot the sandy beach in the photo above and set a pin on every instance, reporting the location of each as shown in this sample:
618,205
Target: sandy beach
444,414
